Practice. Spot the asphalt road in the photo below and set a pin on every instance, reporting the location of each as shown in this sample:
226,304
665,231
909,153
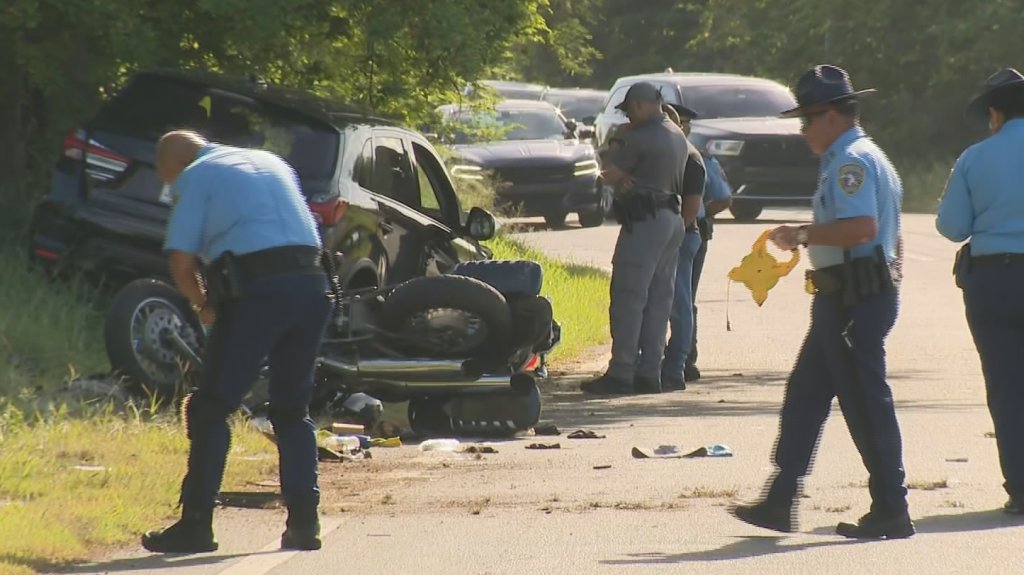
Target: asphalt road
589,507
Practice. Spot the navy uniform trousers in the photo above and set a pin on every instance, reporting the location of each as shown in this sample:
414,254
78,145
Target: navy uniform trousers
843,356
995,315
281,319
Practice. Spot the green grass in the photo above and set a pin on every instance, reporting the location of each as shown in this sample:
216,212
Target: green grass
69,486
923,185
579,296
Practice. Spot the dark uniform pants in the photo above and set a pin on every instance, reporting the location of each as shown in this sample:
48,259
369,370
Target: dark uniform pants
698,268
843,356
282,319
995,314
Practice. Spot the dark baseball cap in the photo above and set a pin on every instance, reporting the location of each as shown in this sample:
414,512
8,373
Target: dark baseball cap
640,92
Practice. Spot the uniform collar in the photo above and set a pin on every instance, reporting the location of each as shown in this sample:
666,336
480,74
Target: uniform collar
208,148
1014,125
844,139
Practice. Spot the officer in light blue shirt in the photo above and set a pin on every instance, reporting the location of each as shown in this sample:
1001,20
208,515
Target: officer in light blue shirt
853,244
984,202
241,213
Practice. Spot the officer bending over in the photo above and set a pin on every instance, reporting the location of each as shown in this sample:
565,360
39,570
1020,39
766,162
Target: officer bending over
241,212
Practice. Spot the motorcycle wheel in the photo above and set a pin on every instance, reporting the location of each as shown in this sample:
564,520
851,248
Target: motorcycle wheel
447,316
134,334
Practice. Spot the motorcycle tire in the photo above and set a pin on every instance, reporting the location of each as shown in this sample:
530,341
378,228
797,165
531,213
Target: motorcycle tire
447,316
510,277
132,335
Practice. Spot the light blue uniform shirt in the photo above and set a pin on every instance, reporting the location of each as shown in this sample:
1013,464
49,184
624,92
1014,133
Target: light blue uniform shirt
984,198
238,200
857,179
716,186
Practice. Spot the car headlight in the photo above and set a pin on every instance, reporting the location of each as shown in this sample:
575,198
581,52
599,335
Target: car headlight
725,147
467,172
585,168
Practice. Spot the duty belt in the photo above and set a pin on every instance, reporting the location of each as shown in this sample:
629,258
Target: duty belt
996,260
284,260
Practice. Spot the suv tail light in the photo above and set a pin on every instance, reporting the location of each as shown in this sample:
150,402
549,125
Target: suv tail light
101,162
328,211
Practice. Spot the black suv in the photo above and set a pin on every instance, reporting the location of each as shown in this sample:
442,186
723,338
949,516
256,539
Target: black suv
764,156
379,192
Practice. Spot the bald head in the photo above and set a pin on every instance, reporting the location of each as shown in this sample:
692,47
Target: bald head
175,151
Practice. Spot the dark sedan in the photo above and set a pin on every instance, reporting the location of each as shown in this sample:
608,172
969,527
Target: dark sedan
544,168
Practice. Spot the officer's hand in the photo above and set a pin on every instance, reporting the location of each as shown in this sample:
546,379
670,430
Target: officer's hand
784,238
206,316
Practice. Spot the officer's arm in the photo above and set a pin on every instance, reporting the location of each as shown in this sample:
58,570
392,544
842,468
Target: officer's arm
955,218
184,236
853,189
693,188
717,191
621,160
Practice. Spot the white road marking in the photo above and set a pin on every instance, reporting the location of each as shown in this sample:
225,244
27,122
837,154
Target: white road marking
266,559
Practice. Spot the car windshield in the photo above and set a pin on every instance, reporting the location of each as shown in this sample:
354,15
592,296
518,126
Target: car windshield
738,101
507,124
577,106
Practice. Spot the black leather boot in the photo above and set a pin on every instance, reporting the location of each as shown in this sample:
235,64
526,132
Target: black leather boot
876,526
193,533
302,529
775,517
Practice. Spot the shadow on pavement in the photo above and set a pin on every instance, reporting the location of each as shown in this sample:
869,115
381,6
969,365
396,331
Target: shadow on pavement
151,562
742,548
956,522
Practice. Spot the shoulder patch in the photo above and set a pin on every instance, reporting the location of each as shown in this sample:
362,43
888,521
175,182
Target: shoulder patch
851,178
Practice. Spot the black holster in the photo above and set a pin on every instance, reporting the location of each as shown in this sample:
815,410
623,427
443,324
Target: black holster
962,265
223,280
856,279
630,207
705,226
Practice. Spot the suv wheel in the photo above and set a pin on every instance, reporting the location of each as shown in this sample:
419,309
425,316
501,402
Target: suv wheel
555,219
745,211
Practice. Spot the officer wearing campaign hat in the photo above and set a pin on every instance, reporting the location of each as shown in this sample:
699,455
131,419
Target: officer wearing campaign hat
855,250
654,187
983,203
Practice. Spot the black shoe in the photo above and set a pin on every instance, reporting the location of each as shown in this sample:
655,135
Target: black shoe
691,373
775,517
1014,505
605,385
646,385
875,526
669,384
192,534
302,529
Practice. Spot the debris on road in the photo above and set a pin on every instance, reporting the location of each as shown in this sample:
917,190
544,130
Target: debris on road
602,467
479,449
547,429
439,445
544,446
584,434
956,460
677,452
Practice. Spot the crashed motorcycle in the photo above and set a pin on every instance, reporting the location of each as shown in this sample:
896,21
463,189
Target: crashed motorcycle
463,348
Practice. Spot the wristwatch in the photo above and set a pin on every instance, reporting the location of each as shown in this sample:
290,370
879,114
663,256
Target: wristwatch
197,307
801,236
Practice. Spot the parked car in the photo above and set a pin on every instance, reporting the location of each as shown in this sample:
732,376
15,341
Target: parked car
379,192
765,157
578,104
536,152
511,90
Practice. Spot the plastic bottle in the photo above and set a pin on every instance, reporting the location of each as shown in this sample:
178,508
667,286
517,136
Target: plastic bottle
342,442
439,445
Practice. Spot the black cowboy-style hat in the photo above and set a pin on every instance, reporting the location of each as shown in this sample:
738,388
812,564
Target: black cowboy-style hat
683,111
823,84
1007,78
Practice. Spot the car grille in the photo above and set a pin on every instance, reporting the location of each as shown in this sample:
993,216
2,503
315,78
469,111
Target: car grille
535,174
790,152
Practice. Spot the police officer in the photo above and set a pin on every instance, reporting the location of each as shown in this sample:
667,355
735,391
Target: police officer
984,202
679,365
241,212
648,169
853,246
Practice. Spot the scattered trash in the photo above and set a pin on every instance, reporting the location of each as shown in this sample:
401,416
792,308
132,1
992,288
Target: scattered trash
88,468
602,467
584,434
439,445
544,446
957,460
342,443
676,452
479,449
347,429
547,429
990,434
386,442
255,500
263,425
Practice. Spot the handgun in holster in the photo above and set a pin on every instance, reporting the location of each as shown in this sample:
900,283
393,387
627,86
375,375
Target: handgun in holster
223,279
